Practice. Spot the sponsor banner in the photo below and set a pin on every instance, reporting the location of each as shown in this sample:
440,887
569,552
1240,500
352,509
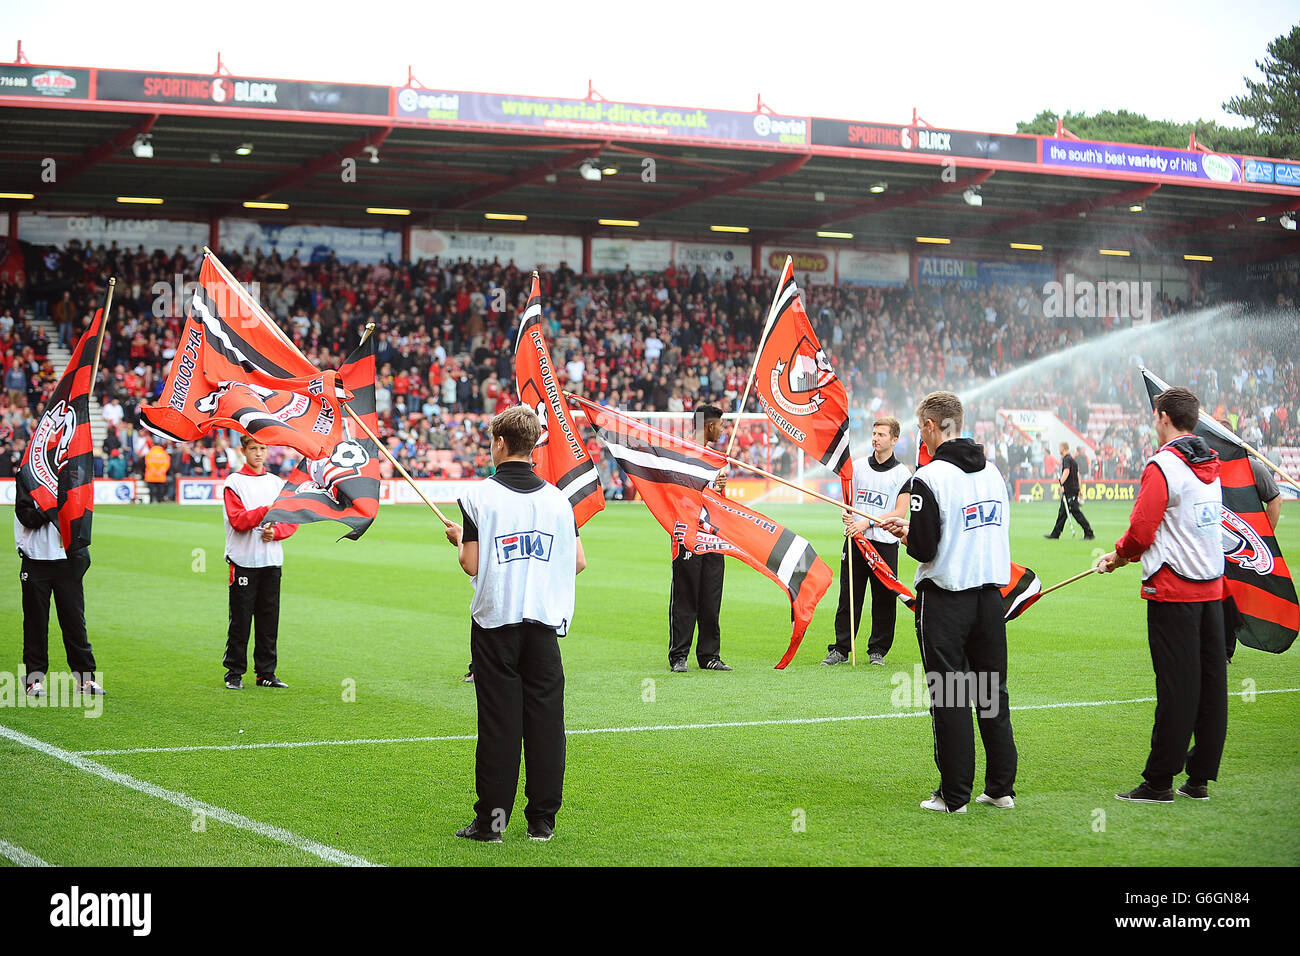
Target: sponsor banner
108,491
1286,174
1258,171
975,273
639,255
599,116
239,92
811,266
315,243
919,139
392,491
873,268
544,253
61,83
1048,489
711,256
55,230
1152,160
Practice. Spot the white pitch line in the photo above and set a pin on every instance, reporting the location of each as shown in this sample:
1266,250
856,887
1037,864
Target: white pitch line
326,853
776,722
20,856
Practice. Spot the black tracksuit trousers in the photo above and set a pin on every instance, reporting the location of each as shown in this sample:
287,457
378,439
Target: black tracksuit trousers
254,596
884,602
1071,502
519,682
61,578
964,651
1187,652
696,597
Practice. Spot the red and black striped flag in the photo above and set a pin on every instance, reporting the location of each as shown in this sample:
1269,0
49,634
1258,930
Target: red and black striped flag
560,456
797,386
1258,579
1020,593
236,369
672,476
345,485
57,475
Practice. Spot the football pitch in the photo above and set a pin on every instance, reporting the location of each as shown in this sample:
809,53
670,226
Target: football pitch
368,757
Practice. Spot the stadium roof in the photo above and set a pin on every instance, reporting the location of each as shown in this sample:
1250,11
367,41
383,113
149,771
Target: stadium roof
452,157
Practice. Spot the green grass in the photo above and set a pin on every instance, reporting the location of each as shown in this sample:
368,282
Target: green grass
390,613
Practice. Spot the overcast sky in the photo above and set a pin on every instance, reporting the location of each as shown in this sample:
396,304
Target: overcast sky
965,66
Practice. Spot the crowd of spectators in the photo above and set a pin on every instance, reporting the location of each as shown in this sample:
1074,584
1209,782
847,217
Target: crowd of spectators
667,341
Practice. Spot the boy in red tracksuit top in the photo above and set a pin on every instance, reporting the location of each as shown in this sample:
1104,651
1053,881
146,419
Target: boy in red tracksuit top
1175,530
255,556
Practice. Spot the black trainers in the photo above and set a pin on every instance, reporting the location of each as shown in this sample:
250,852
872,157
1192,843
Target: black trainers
271,681
716,665
234,682
540,832
1051,537
678,667
1145,793
1089,537
1197,791
479,833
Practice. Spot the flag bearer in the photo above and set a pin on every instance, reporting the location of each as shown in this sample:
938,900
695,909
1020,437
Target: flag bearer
255,556
519,544
879,487
958,531
1175,530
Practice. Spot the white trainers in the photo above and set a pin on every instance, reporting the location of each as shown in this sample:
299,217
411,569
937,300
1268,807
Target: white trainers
1002,803
936,803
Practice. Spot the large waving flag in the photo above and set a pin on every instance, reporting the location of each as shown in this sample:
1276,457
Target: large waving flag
345,485
236,369
672,477
560,456
1259,581
797,386
57,474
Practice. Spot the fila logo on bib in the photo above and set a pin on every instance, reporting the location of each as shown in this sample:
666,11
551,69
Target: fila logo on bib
873,499
523,546
980,514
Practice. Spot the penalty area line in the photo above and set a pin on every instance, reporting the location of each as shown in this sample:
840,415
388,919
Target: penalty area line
19,856
651,728
327,853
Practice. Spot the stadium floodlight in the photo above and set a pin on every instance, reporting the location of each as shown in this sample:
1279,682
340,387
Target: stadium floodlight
1136,207
260,204
1114,252
139,200
506,216
609,171
387,211
1262,219
243,149
934,240
828,234
17,195
552,178
373,152
628,223
729,228
819,196
142,148
1028,246
1288,220
590,170
1194,258
879,187
972,196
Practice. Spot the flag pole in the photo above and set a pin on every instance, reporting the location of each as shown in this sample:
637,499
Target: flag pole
1285,477
843,506
753,372
383,448
1081,574
103,326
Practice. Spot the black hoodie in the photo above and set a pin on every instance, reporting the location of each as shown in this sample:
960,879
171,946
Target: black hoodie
924,525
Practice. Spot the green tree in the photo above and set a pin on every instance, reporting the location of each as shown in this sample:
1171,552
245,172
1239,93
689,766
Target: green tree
1274,103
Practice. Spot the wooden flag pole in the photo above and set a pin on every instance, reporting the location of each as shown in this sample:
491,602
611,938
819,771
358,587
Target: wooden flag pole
1285,477
1081,574
103,327
396,464
753,372
843,506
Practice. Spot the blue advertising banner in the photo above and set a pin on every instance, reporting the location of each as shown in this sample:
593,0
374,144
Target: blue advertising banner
978,274
599,116
313,243
1258,171
1287,174
1177,163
